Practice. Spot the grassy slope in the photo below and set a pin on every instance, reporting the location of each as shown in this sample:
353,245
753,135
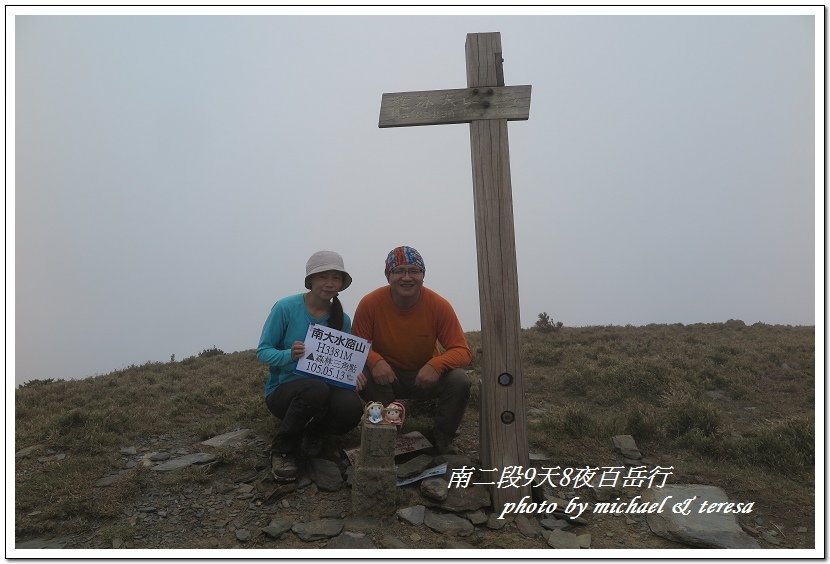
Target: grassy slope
726,404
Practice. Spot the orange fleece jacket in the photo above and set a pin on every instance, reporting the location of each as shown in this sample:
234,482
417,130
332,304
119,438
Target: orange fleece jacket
408,339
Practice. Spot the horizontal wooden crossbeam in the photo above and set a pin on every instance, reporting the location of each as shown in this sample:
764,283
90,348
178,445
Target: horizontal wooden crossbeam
462,105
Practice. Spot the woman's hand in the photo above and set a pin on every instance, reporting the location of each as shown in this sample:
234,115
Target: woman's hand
297,350
361,382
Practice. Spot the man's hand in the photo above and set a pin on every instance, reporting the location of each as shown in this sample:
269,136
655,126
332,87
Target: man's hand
297,350
427,377
383,374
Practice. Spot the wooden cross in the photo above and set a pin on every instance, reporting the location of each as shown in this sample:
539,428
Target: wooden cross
487,105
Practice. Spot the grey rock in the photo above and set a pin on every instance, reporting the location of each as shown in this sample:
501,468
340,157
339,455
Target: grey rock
448,523
435,488
277,527
319,529
561,504
771,537
626,446
388,541
58,542
184,461
350,540
584,540
228,439
602,494
454,461
708,530
24,452
562,539
466,499
159,456
413,515
242,535
478,517
528,526
493,521
247,477
362,523
326,474
128,451
52,458
415,466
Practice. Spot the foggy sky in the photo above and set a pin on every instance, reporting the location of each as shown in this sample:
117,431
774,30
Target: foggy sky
174,173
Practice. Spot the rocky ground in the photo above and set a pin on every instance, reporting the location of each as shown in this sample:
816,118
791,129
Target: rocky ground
221,495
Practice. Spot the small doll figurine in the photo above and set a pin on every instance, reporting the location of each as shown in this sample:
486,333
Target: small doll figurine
374,412
394,413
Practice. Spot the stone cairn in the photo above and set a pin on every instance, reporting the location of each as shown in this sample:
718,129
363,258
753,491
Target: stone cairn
374,486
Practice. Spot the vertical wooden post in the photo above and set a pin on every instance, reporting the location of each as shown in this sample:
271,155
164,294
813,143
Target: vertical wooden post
487,105
503,420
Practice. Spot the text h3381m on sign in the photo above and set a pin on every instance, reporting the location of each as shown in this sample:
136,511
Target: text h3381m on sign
333,355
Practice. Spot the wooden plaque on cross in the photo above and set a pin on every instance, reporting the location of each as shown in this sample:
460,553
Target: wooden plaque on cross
487,105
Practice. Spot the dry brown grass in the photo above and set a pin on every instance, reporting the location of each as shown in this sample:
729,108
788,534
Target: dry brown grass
725,404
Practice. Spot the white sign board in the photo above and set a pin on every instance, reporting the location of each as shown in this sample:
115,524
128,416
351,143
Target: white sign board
333,355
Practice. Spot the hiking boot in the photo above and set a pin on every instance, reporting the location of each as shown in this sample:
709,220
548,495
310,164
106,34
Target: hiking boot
283,467
312,445
443,444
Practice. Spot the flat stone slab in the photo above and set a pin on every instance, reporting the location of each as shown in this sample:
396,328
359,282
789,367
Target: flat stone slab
435,488
448,523
228,438
413,515
466,499
415,466
477,517
351,540
528,526
708,530
319,529
562,539
184,461
494,523
277,527
554,524
326,474
362,523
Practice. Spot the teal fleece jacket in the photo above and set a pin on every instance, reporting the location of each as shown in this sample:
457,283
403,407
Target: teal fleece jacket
288,322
